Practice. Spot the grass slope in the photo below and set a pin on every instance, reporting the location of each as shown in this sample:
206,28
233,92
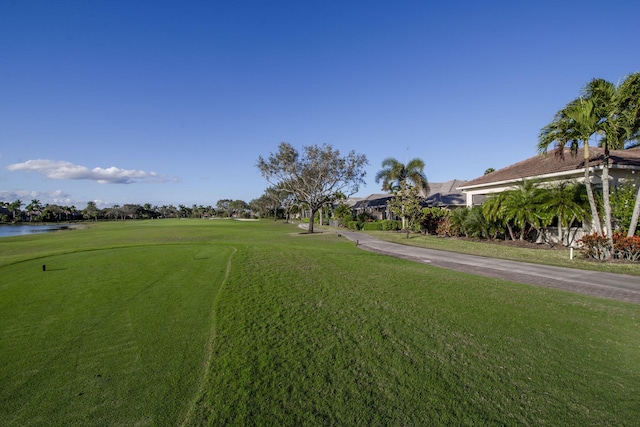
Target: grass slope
307,330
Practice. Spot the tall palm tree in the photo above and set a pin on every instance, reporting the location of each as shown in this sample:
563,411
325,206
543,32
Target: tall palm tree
612,113
396,176
14,207
628,102
34,206
602,93
618,112
572,125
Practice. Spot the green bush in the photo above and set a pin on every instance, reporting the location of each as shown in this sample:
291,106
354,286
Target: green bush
353,225
365,216
376,225
390,225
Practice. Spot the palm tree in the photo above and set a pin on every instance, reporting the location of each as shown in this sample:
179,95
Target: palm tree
574,124
34,206
612,112
91,211
566,202
457,220
14,207
521,206
603,93
628,103
493,211
396,176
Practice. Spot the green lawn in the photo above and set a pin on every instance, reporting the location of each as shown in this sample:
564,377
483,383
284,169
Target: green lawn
251,323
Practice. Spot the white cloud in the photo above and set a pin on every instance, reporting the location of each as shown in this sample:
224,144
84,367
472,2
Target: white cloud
58,169
57,196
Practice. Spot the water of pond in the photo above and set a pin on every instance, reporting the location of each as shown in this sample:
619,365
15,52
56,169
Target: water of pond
17,230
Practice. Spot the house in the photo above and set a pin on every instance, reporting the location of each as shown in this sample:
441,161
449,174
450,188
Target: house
445,194
551,168
374,205
5,212
441,194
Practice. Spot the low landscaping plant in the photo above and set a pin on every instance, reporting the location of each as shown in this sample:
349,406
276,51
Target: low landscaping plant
626,247
354,225
373,225
391,225
598,247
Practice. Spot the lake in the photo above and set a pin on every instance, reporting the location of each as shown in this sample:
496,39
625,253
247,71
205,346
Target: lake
16,230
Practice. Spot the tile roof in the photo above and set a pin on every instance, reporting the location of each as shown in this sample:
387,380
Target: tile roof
449,187
374,200
552,163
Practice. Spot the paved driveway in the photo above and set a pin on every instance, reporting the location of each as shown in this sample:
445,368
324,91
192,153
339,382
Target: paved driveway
608,285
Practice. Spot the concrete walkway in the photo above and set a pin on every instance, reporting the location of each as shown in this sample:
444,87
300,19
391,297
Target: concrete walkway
607,285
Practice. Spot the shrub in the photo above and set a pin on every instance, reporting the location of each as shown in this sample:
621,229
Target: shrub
390,225
595,246
444,227
353,225
626,247
431,219
598,247
365,216
376,225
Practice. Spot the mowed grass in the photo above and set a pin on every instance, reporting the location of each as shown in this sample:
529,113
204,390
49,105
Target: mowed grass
107,335
136,324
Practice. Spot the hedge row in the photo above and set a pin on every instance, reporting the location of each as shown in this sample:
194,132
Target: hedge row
382,225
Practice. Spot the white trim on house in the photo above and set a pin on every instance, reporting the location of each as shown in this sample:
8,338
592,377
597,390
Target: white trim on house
626,167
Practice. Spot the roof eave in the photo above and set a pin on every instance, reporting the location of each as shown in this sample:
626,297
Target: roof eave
515,180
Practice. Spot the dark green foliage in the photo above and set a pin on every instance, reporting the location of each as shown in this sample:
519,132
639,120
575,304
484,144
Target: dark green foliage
365,216
622,202
391,225
371,226
354,225
432,218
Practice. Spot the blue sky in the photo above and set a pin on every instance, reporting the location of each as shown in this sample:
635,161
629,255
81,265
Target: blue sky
172,102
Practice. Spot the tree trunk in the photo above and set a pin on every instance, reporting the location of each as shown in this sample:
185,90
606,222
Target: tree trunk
560,236
595,218
570,239
313,214
636,214
605,198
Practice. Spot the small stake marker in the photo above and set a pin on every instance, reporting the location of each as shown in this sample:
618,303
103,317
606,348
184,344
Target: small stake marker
44,267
